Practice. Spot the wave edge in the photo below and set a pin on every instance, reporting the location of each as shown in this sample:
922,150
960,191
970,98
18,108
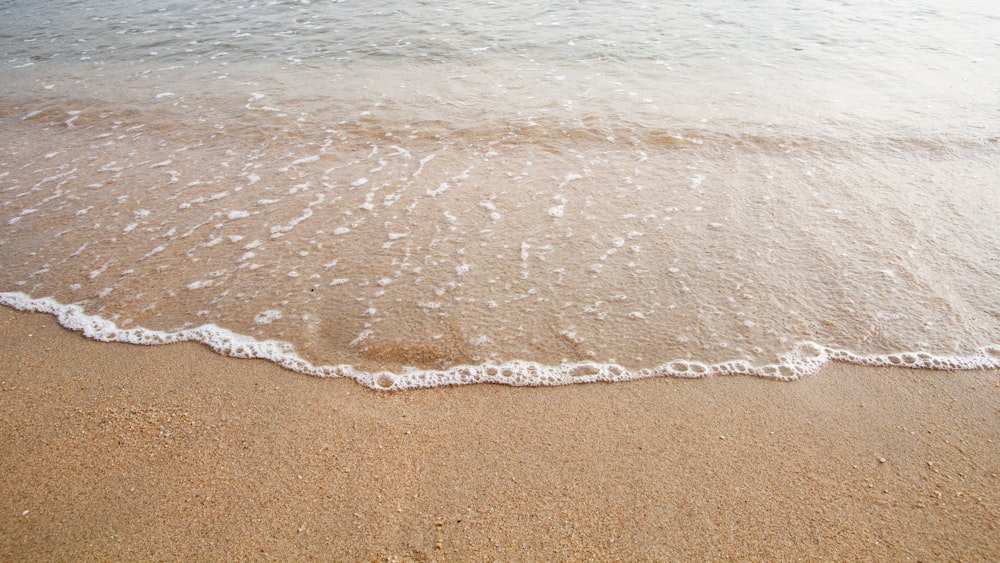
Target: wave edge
805,359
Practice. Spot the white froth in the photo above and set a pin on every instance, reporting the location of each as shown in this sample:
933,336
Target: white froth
440,190
423,162
806,358
267,317
303,160
569,178
279,230
93,274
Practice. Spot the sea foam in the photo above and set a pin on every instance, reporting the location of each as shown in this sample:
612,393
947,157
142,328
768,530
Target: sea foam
805,358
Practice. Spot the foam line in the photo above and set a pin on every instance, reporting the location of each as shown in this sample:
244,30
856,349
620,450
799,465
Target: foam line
806,358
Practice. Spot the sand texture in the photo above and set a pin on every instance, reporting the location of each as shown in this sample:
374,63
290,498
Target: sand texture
114,451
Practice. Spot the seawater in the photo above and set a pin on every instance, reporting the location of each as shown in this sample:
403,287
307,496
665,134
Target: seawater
414,194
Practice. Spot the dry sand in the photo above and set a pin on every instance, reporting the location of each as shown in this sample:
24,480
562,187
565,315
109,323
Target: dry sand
113,451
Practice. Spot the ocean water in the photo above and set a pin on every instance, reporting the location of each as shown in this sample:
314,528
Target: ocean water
416,193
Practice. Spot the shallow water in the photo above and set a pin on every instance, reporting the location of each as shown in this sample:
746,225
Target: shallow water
454,192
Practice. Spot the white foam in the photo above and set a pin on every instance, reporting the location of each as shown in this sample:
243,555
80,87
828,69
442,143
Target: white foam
806,358
400,151
279,230
267,317
99,271
569,178
392,198
423,162
440,190
303,160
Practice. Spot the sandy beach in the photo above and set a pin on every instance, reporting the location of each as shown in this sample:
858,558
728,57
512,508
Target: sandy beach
114,451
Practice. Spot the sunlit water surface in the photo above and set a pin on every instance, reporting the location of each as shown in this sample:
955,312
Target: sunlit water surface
423,193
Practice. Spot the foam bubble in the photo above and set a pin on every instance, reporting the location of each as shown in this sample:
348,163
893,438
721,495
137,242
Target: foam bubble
440,190
805,358
267,317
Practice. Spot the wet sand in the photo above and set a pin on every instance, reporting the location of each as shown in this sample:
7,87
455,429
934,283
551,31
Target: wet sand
114,451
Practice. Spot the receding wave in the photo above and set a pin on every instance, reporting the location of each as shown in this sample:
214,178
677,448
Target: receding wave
496,192
804,359
389,243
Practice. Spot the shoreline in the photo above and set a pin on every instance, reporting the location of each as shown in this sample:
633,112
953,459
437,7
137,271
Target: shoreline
119,451
803,360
